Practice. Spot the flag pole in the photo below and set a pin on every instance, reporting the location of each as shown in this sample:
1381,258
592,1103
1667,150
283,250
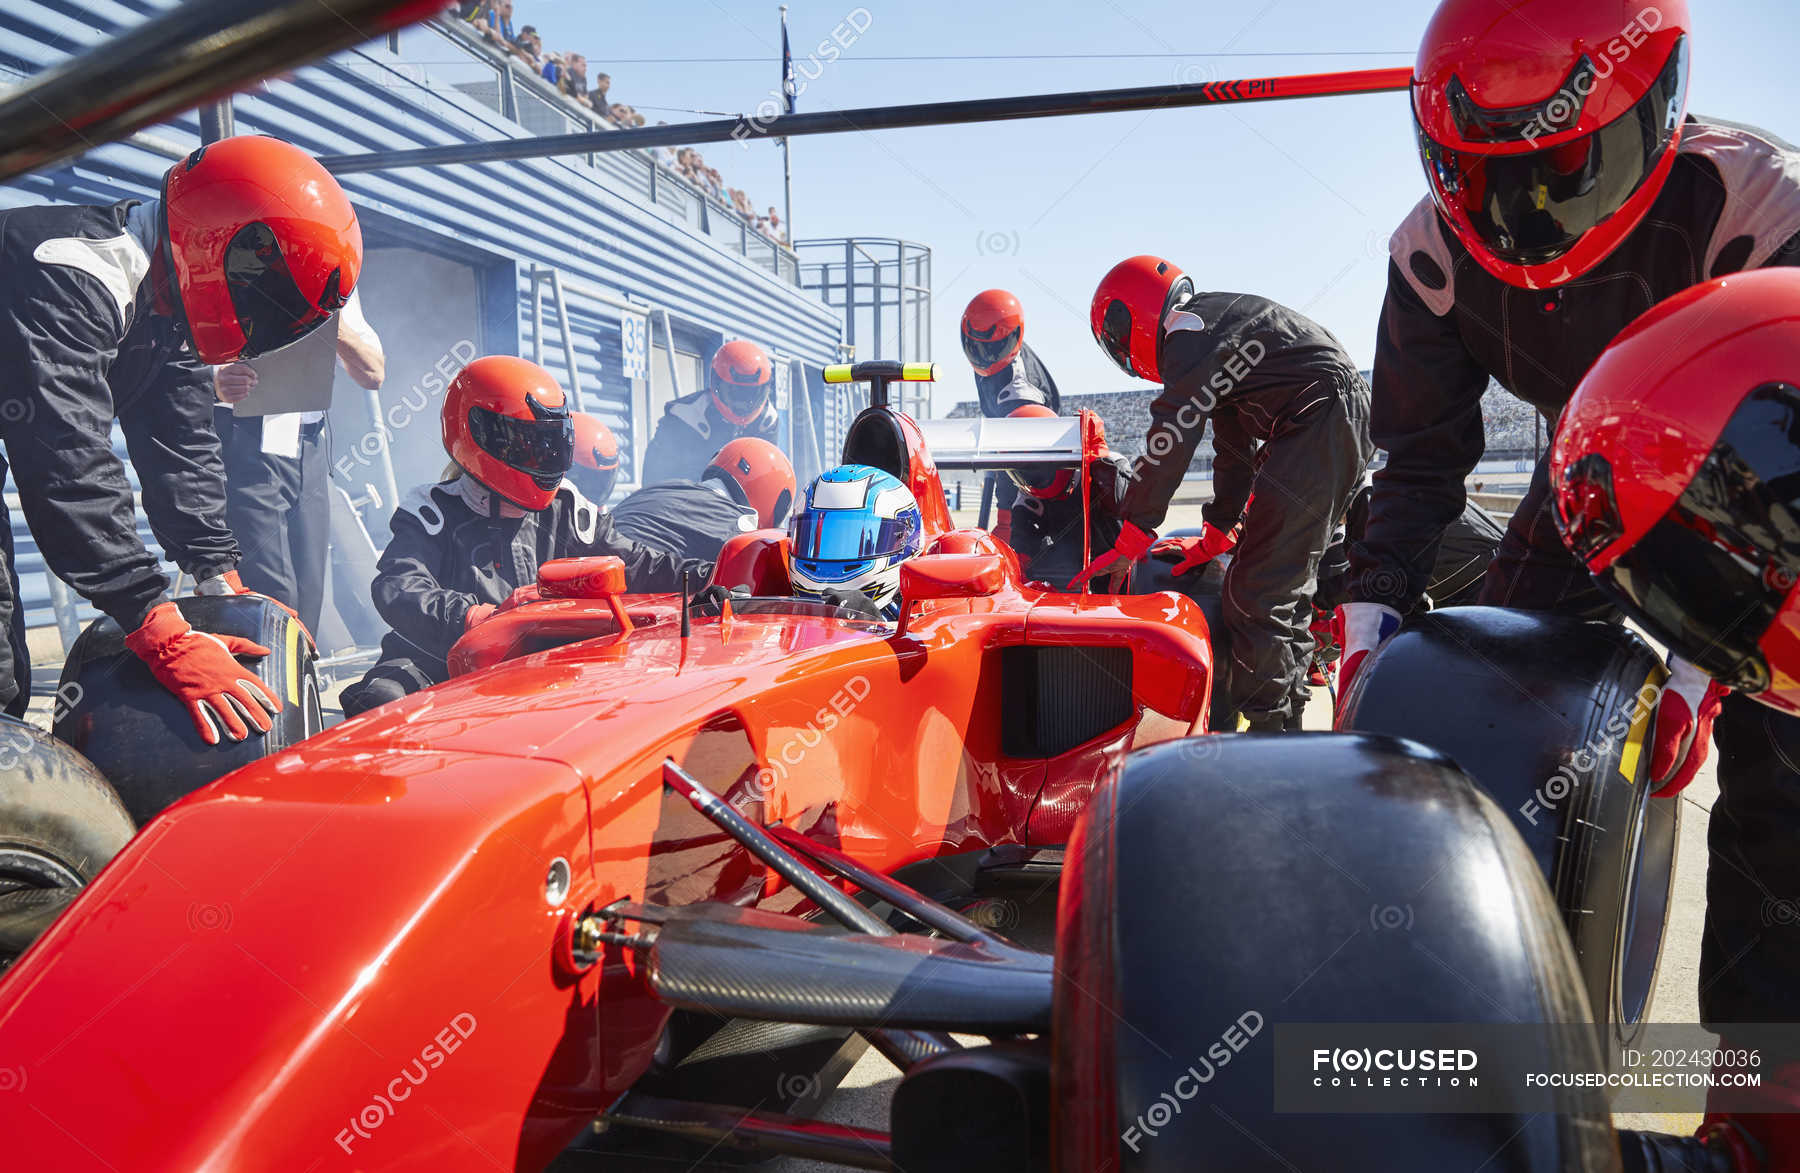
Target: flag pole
787,164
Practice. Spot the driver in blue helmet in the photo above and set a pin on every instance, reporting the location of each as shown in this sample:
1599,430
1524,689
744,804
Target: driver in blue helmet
853,529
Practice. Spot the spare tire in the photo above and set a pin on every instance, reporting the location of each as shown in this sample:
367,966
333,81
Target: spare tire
1224,888
1552,717
59,824
141,737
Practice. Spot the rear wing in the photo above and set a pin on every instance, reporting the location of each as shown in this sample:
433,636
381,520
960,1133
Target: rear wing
979,443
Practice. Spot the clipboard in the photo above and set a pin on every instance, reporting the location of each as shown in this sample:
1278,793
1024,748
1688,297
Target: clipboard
295,378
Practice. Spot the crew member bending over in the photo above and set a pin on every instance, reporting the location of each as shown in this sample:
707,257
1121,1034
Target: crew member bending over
1267,377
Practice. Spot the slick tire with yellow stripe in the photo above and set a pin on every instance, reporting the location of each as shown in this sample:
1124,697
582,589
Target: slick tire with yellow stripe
140,736
1552,718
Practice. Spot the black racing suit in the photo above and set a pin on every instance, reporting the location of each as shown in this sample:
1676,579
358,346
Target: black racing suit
1290,425
1023,380
1469,545
692,431
1047,534
1732,202
80,346
690,519
449,552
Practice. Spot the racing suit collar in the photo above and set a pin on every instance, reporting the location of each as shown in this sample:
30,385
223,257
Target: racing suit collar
481,500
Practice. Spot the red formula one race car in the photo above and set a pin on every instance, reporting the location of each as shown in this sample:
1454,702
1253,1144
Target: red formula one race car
654,870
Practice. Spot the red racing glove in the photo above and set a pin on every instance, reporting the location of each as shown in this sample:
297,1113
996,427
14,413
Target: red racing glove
1684,720
1360,628
1131,547
199,668
1197,552
477,614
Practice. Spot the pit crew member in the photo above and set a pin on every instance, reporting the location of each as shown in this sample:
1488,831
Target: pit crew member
1690,527
111,312
1290,429
596,467
1047,518
748,486
848,537
1568,195
463,546
738,400
1008,374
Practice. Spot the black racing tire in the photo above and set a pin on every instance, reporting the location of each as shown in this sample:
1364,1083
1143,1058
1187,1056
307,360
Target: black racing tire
1552,717
141,737
59,823
1309,878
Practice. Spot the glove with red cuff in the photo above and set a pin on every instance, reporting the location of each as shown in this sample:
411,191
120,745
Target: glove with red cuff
1193,552
1684,720
1360,628
199,668
1131,547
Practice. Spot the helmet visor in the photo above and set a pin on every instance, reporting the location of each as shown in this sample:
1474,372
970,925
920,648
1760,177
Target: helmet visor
1530,209
987,353
849,535
1115,334
1043,483
1711,576
271,311
542,448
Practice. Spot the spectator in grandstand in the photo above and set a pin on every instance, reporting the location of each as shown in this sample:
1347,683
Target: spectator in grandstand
529,47
494,19
715,184
748,486
620,113
466,9
552,69
777,232
598,98
278,472
463,546
574,80
667,156
736,401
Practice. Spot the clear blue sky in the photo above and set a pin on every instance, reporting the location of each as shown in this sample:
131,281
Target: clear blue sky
1292,200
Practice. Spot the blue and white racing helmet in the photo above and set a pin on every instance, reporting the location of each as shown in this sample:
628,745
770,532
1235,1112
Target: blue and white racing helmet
854,528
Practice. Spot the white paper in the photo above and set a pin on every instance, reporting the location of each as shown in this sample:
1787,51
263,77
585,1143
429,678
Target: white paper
281,435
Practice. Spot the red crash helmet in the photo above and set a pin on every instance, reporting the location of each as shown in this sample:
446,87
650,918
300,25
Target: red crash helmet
1128,311
757,474
1676,469
507,424
1547,127
262,244
739,380
596,466
1046,484
993,330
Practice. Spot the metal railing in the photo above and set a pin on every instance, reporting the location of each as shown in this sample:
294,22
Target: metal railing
505,85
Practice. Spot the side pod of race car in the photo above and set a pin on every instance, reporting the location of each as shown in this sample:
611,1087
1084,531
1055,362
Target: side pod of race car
655,869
